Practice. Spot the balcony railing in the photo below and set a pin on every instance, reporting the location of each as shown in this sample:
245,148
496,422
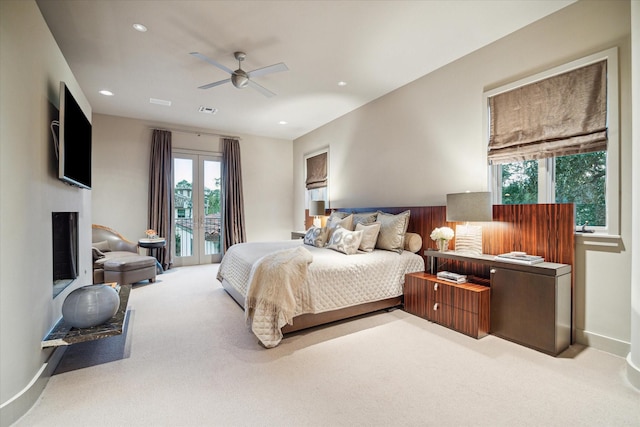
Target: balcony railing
211,227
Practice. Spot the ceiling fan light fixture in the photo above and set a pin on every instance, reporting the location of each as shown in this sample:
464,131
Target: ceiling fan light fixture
240,79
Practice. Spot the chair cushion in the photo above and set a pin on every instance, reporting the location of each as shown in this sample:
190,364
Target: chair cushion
129,263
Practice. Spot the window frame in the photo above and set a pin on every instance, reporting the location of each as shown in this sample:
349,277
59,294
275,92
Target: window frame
546,183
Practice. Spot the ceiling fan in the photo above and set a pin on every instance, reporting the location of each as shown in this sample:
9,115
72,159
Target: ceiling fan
241,78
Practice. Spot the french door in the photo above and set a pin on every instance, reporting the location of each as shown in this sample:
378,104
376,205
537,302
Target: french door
197,219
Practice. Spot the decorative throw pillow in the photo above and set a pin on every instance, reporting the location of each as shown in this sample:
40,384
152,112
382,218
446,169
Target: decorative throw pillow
345,241
392,229
316,236
369,236
337,215
364,218
102,246
346,222
412,242
96,253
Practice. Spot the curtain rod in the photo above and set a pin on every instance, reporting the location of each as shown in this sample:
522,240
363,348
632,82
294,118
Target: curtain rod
197,133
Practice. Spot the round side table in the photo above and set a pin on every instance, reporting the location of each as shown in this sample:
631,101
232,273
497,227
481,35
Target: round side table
152,245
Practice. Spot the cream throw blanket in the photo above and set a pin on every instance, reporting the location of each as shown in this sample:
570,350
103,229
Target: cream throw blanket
274,282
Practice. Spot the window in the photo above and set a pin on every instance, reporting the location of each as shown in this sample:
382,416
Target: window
317,176
578,178
588,179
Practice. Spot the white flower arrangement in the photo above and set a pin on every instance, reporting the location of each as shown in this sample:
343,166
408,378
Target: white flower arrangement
442,233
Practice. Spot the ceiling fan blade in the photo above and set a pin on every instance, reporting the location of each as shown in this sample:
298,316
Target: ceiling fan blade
211,61
275,68
210,85
263,90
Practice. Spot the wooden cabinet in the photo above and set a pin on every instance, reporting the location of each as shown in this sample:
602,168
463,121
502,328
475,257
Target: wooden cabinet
462,307
531,309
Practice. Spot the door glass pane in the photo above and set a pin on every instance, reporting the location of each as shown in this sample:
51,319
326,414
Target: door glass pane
183,205
212,216
520,182
581,179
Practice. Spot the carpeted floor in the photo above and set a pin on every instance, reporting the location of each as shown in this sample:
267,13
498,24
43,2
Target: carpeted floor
187,359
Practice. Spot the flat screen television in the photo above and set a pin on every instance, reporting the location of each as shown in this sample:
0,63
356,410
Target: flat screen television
74,145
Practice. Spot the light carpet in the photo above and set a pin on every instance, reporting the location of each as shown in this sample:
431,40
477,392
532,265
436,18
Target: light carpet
187,359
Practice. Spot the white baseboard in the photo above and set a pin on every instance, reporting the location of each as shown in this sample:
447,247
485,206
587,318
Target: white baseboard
18,405
610,345
633,373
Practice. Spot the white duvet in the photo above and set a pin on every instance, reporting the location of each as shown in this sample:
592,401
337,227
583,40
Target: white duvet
334,280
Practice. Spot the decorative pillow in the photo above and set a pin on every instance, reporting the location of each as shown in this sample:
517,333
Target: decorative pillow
392,229
346,222
369,236
337,215
412,242
364,218
316,236
345,241
102,246
96,253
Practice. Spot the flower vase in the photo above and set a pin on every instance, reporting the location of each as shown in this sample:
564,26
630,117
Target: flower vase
443,245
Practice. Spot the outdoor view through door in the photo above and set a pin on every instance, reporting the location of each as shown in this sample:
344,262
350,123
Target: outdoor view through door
197,221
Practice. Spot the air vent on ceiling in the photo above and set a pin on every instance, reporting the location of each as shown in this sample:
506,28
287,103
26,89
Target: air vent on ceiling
208,110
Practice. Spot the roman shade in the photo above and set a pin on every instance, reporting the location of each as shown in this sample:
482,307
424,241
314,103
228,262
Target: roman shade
561,115
317,171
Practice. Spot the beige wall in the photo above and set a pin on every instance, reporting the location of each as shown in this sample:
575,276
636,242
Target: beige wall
121,176
426,139
31,68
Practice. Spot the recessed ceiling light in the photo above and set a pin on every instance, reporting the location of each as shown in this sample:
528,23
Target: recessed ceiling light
106,92
282,122
160,102
139,27
341,83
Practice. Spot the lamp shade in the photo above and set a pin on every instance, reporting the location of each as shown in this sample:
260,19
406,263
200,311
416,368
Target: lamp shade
316,208
471,207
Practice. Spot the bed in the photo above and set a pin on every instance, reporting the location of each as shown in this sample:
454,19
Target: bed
333,286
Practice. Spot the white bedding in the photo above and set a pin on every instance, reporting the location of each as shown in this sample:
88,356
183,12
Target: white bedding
334,280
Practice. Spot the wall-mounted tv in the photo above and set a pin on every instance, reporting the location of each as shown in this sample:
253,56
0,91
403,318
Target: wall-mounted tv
74,147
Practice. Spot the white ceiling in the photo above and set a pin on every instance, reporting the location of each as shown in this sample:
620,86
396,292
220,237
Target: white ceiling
375,46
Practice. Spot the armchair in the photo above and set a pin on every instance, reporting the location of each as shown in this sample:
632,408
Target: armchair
116,259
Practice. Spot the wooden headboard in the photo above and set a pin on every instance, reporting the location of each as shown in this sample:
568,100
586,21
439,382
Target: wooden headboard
542,229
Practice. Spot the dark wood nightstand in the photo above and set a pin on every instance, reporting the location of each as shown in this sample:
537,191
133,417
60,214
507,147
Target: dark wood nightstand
463,307
297,235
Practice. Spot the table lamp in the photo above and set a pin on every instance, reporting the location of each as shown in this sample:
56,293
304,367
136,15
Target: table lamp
469,207
316,210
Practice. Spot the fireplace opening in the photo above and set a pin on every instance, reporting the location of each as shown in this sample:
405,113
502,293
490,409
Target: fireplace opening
65,249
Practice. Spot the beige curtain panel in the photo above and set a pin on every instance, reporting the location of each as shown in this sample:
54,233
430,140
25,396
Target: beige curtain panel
562,115
317,171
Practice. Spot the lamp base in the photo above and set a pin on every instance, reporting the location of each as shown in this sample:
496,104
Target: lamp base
469,239
317,222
